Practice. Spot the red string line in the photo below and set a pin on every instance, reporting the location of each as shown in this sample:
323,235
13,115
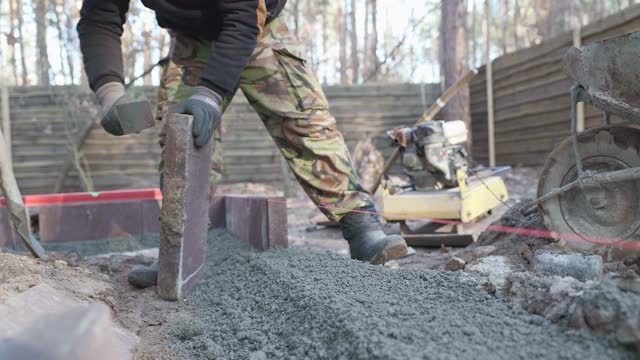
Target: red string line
601,241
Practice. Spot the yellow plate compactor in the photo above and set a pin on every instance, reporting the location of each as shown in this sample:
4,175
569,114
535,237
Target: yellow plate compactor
448,200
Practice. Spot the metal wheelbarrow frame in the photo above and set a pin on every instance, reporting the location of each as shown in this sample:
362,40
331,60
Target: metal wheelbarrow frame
607,75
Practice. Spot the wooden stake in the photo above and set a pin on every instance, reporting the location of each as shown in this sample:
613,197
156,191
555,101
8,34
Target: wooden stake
18,213
577,42
489,69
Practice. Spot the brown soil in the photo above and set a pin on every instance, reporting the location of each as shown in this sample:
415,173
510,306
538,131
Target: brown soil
96,280
20,272
607,307
518,248
140,311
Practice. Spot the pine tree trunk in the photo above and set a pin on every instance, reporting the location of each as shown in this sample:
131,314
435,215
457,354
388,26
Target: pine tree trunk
41,42
23,61
505,26
454,60
516,25
343,44
71,12
296,18
355,63
325,37
602,9
61,42
367,38
542,19
129,50
12,41
557,13
146,52
310,13
162,43
374,40
474,41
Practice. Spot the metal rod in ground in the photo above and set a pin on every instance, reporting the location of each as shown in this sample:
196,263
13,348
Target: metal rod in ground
17,211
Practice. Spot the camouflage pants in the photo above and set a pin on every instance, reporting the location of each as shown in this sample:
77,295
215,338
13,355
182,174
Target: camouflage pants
290,102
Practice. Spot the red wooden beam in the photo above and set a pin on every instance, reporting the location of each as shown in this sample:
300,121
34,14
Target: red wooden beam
86,197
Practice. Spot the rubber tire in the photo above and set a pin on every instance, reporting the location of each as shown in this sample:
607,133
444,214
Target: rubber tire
620,142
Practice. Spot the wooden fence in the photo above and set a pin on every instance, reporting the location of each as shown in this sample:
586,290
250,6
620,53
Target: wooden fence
531,95
531,101
47,123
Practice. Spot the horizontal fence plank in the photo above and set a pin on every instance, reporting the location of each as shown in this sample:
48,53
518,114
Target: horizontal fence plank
531,95
46,122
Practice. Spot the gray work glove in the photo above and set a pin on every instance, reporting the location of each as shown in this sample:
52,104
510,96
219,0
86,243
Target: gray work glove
109,96
204,106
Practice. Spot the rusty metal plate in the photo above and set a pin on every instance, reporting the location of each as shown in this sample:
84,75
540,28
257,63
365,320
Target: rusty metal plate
260,221
610,72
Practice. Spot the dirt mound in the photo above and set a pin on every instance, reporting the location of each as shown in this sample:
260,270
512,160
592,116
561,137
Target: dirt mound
290,304
140,311
21,272
98,280
518,248
603,307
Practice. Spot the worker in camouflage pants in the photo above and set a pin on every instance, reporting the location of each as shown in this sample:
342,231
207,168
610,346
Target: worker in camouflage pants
282,89
292,105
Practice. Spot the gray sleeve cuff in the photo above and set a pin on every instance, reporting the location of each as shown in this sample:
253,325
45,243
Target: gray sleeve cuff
207,95
109,93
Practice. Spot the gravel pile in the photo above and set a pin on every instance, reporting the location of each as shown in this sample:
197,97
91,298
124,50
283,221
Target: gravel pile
290,304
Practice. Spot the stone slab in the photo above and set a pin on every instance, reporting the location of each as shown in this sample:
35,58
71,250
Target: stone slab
260,221
42,320
455,264
495,268
78,333
22,309
135,116
582,267
94,221
184,217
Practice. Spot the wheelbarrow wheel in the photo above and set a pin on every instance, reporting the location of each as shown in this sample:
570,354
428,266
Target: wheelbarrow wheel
608,211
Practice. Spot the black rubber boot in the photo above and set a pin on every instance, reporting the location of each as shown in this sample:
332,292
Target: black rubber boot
144,276
367,240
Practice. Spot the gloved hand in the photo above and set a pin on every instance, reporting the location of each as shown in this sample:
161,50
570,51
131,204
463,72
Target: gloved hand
109,96
204,106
